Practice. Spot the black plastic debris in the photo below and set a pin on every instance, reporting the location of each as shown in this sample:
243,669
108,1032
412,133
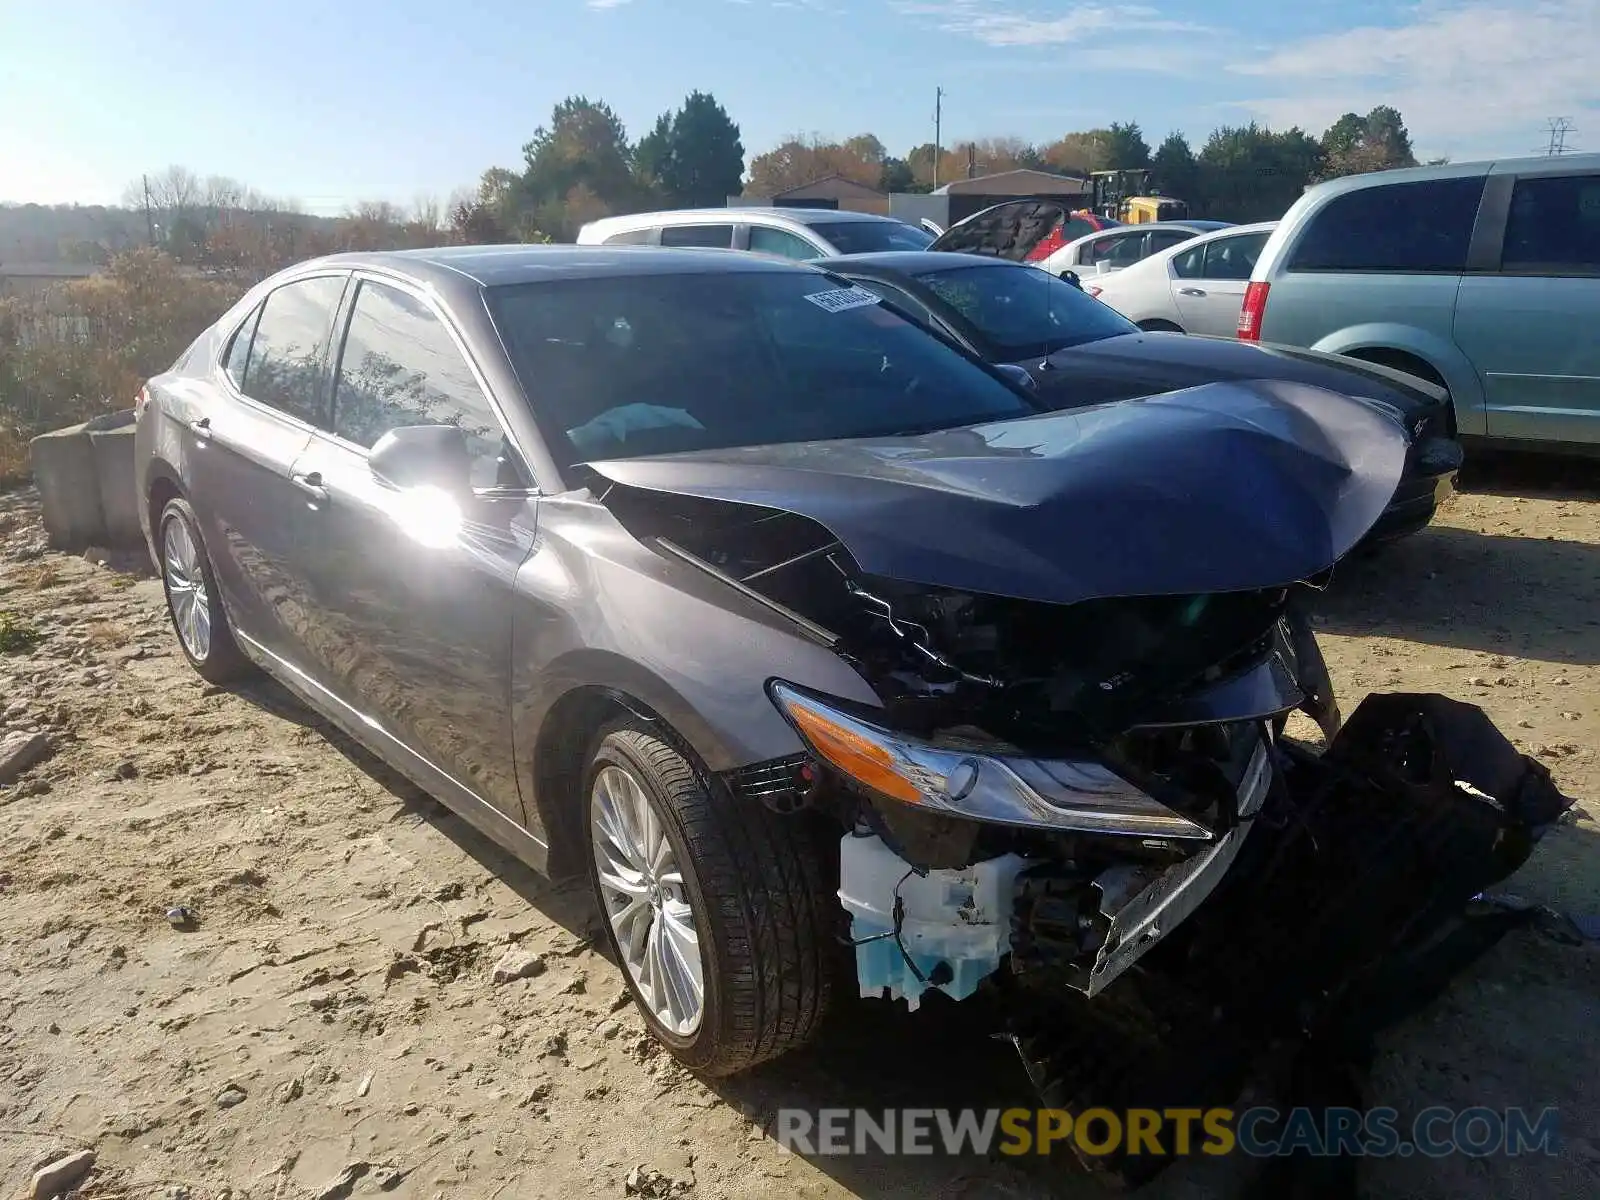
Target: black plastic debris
1350,907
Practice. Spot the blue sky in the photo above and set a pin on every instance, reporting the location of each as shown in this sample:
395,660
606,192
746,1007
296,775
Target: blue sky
333,101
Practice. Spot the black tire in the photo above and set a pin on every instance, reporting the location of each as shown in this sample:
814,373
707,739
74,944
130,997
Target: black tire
222,660
761,904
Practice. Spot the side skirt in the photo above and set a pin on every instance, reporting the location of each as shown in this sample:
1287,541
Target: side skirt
461,800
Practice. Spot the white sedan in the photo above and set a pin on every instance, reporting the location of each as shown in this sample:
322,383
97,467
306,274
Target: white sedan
1195,287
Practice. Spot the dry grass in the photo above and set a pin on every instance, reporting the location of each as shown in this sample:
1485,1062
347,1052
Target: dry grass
17,633
14,465
37,577
106,635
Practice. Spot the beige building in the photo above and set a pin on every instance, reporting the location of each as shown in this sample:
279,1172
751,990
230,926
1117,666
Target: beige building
1022,182
831,191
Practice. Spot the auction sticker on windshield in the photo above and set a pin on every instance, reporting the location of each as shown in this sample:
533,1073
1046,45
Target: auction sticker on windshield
841,299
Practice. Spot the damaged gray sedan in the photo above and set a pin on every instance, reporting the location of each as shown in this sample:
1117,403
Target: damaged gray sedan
793,626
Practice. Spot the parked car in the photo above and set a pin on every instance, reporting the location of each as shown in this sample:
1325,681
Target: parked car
786,621
1195,287
1483,278
1097,256
1077,351
797,233
1024,230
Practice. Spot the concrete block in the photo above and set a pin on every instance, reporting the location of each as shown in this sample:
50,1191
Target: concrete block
112,439
86,484
68,480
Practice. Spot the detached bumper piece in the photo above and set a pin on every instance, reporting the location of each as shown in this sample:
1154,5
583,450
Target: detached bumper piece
1346,909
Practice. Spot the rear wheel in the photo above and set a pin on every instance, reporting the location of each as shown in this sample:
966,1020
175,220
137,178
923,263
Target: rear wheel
193,600
715,907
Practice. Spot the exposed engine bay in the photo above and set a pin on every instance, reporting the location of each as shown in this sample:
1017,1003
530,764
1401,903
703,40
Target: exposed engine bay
1090,811
1109,695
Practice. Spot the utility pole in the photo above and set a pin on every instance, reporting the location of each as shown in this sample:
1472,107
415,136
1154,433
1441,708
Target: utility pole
149,217
938,132
1559,128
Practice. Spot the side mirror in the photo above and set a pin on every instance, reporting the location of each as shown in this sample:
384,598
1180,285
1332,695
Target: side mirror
1018,375
423,456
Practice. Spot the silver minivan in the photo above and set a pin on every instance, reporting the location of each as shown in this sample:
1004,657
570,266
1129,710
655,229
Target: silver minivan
1483,277
798,233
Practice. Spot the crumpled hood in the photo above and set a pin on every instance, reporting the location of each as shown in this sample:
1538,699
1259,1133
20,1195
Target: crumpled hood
1225,487
1139,364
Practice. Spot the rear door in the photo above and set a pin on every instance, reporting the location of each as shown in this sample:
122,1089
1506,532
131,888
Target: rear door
1380,262
1209,281
1529,320
413,593
274,377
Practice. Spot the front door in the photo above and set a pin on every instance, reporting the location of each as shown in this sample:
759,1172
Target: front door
271,387
414,592
1530,329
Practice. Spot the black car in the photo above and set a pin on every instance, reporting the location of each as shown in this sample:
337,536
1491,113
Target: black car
1077,351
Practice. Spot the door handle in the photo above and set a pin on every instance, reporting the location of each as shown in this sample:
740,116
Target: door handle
311,484
1191,292
200,428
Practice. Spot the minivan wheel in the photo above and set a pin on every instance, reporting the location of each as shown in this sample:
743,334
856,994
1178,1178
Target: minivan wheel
715,907
192,598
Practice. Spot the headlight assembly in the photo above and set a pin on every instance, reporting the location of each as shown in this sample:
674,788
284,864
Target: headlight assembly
1086,797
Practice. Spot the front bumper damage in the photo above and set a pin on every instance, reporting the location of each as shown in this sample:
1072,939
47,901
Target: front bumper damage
1338,902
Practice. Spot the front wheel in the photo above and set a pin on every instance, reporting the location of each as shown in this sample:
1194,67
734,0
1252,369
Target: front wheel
715,906
193,599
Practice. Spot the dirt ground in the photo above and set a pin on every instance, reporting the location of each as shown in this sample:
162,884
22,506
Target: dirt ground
329,1026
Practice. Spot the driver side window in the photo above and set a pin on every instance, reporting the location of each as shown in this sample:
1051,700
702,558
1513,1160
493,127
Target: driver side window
400,367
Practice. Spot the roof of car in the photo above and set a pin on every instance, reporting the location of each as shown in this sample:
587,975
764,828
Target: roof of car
498,266
912,262
735,214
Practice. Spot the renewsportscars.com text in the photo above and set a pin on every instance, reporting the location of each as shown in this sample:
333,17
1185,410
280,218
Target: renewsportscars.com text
1259,1132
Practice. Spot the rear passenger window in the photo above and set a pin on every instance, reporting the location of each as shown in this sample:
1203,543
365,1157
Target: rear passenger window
239,349
631,237
780,242
1396,227
289,353
1234,257
714,236
1190,263
1554,226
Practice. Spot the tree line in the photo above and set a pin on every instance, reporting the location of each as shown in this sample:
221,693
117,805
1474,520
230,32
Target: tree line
582,164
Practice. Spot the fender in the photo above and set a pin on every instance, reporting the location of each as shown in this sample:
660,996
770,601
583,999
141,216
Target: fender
1459,375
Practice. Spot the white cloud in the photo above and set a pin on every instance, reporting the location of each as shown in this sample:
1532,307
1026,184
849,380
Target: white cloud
605,4
1473,76
997,24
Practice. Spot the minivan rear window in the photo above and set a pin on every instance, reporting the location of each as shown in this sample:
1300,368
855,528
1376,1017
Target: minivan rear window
1397,227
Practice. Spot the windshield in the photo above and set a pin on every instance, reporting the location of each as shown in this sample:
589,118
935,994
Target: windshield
1024,312
869,237
625,366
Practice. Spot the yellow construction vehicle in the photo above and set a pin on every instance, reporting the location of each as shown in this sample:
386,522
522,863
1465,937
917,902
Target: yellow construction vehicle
1136,210
1121,196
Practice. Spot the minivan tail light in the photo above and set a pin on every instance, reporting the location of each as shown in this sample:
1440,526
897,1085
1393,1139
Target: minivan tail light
141,400
1094,292
1252,311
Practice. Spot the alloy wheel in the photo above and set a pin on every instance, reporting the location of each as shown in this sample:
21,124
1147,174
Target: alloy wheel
647,901
186,588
